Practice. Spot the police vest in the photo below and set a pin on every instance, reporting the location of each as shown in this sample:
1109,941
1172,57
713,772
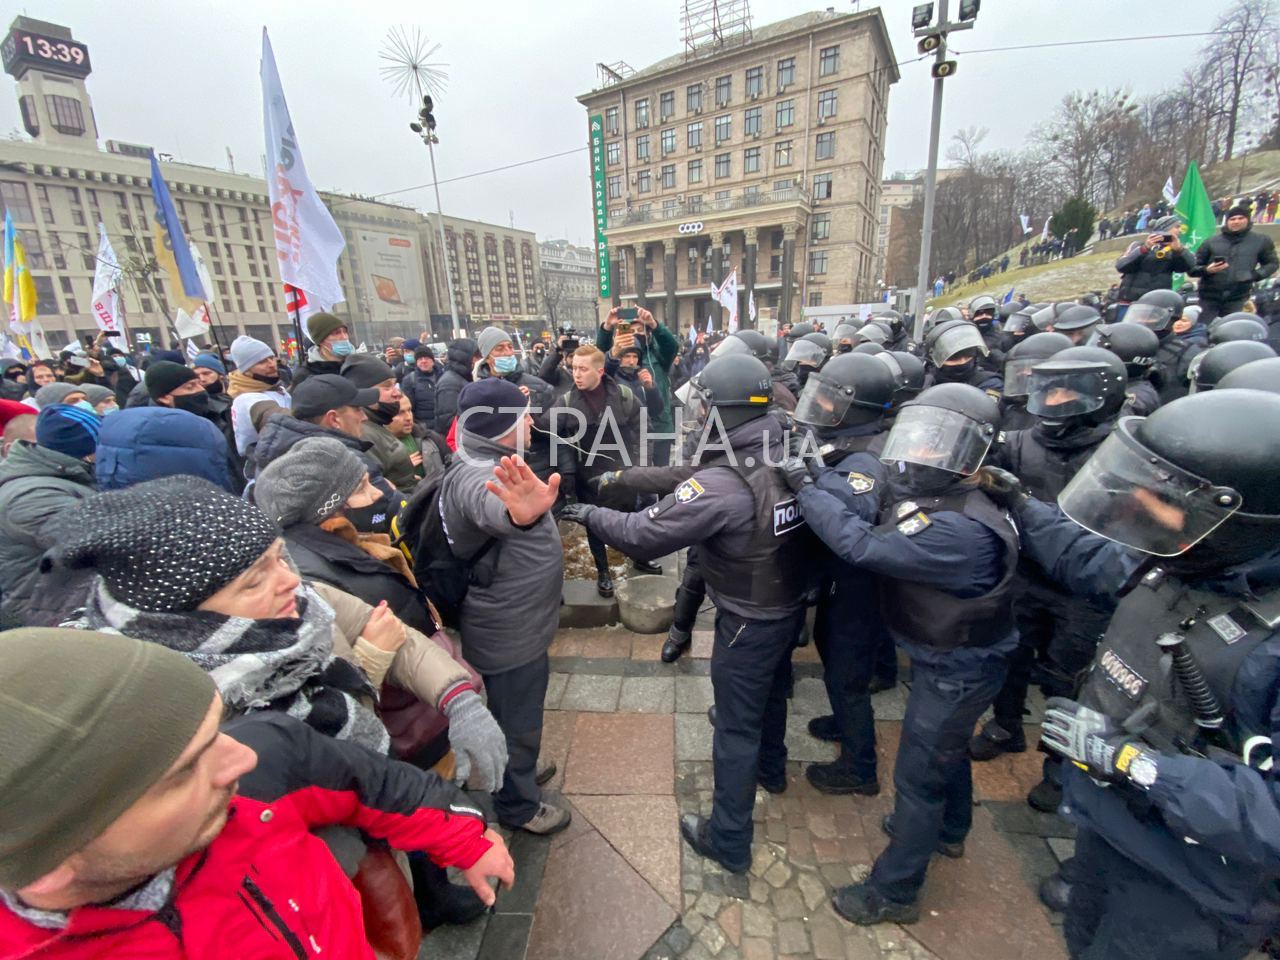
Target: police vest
774,568
835,450
917,613
1170,375
1046,470
1134,678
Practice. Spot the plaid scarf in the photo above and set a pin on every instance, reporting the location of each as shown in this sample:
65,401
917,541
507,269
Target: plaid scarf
283,664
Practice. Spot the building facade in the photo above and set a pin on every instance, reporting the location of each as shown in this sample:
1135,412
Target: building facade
897,194
61,184
762,155
570,285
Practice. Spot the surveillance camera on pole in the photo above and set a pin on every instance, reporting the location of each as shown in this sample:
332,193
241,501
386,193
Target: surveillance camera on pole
921,15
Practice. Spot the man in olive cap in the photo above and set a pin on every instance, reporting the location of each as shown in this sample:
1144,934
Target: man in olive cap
133,826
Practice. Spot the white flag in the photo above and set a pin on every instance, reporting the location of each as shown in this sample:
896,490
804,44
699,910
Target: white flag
751,305
202,270
188,325
308,242
727,297
1026,223
1044,234
107,306
192,350
1169,193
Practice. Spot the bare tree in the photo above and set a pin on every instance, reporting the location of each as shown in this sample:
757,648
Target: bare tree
554,295
1245,35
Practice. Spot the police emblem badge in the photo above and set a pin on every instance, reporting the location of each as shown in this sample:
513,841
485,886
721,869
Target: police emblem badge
861,483
689,490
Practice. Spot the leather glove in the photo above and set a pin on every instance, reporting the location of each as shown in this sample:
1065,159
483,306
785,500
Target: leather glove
479,745
796,473
600,484
1094,742
577,512
1004,488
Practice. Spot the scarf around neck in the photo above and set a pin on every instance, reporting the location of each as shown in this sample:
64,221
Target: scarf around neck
239,383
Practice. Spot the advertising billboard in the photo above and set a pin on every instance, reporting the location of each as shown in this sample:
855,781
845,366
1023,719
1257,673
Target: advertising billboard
394,288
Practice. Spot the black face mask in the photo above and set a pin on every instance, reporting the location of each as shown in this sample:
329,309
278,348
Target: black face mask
375,518
956,373
384,413
845,348
271,380
802,373
920,480
214,388
197,403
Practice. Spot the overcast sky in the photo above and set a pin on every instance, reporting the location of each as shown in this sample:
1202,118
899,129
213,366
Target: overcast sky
183,77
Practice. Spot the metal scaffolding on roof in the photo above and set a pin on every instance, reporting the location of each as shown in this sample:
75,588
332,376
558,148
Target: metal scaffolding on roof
611,73
714,23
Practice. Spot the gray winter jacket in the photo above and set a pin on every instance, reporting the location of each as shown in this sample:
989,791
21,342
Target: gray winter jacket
512,609
36,485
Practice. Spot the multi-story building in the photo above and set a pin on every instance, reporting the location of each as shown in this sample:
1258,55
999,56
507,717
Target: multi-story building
760,153
896,193
569,285
60,185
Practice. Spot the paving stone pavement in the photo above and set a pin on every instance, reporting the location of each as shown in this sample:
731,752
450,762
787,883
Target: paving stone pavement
632,744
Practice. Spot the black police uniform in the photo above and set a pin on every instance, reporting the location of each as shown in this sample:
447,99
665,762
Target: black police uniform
1189,867
1173,362
945,565
755,554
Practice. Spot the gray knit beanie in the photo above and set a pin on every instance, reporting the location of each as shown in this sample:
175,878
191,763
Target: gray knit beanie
52,393
247,352
490,337
309,483
96,394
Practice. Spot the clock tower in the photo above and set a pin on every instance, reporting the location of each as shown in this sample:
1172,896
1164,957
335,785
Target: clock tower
51,68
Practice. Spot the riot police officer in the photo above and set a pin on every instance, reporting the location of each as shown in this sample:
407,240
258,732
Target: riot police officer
954,348
1171,737
1219,360
944,557
804,357
1163,312
908,377
1136,346
1237,326
844,404
983,311
1077,322
1258,375
1018,363
755,553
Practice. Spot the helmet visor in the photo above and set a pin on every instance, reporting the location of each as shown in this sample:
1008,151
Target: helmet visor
729,346
954,340
806,352
873,333
1149,315
1058,394
936,437
1044,317
1017,376
694,406
823,403
1127,494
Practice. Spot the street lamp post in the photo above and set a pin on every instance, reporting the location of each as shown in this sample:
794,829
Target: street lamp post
425,127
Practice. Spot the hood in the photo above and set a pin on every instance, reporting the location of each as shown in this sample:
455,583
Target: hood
764,438
481,448
147,443
461,352
282,432
26,459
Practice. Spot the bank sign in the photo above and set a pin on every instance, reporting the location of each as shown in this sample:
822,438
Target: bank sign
601,205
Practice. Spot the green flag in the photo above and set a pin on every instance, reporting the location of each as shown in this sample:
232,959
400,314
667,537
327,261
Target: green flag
1196,213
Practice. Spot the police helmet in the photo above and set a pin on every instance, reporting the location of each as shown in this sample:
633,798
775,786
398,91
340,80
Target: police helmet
1026,354
798,331
1007,310
1076,320
941,315
869,347
1209,367
1156,310
821,339
1091,299
949,339
1196,477
851,390
949,427
1047,314
1133,343
1258,375
760,346
872,333
1016,327
845,336
1080,386
908,373
730,345
805,352
892,320
983,304
737,385
1237,326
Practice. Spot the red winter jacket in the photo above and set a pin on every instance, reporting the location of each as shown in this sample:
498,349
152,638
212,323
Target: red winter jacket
267,888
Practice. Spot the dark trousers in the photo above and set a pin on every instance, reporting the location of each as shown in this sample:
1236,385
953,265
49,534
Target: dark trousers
515,700
1119,911
750,676
661,456
848,650
932,775
886,668
690,594
1211,310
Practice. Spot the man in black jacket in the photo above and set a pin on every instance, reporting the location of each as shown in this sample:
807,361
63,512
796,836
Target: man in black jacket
1230,263
1151,264
458,372
419,385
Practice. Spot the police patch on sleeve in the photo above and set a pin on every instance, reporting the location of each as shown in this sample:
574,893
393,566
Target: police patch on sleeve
992,393
861,483
689,490
914,524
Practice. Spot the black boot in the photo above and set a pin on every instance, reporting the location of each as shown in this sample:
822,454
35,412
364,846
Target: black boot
645,567
824,728
694,831
604,584
439,901
994,740
1055,892
838,778
677,643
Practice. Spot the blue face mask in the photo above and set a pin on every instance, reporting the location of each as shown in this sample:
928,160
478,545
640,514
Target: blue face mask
505,364
86,406
342,348
110,410
120,361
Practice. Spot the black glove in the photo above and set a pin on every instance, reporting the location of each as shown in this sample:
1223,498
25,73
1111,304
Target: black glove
796,473
577,512
1095,743
1004,488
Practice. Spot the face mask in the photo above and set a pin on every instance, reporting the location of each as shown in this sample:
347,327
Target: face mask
261,379
845,348
375,518
214,388
197,403
342,348
86,406
505,364
927,481
109,410
628,369
120,361
384,413
954,373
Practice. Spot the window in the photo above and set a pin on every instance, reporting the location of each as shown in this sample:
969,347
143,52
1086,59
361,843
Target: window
612,154
752,193
16,200
694,203
822,186
751,160
642,113
721,195
666,106
77,217
821,224
785,114
66,113
669,209
695,171
828,61
611,120
615,187
669,176
755,81
668,141
826,146
724,89
786,73
694,138
826,104
751,121
642,147
781,186
644,181
30,241
693,97
782,153
724,128
815,298
817,262
722,165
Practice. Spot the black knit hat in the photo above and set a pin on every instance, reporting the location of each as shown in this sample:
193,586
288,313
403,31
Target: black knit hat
365,370
423,351
164,545
1239,210
163,377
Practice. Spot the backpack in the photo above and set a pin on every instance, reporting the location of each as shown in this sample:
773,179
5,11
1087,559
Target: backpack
420,532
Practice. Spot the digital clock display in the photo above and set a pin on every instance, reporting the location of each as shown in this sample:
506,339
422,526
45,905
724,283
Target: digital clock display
23,49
